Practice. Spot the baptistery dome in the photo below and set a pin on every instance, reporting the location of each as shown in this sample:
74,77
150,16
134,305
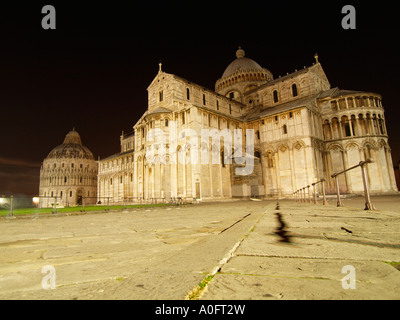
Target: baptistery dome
72,147
68,176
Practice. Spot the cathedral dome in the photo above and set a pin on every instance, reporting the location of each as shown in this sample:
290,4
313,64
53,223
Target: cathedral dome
241,64
242,74
71,148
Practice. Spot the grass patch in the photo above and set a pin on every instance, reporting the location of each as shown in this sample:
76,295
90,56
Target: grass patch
195,293
21,211
393,264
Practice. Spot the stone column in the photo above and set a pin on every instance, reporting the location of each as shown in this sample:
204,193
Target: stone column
351,127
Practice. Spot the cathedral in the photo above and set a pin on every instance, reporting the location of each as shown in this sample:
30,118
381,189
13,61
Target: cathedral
300,130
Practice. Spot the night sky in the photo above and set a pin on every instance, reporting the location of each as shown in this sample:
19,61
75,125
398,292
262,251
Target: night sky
92,72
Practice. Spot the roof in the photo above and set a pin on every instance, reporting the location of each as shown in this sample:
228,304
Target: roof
337,93
270,83
340,93
159,110
117,155
127,135
302,102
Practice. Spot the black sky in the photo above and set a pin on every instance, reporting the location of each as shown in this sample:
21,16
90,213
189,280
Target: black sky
92,72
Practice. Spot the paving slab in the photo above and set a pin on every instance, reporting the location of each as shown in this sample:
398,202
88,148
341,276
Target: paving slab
308,262
142,254
165,253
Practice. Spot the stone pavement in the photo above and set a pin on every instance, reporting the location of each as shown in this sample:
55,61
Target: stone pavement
151,254
164,253
321,240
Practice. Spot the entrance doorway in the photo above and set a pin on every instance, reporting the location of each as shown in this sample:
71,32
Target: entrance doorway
79,197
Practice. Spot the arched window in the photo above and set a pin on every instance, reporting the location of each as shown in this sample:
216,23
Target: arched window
294,90
346,127
353,121
375,122
204,99
381,126
275,93
187,93
327,130
284,129
258,155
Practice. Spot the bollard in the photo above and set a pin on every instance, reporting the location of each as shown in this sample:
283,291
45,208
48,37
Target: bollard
11,213
55,205
308,192
323,192
339,202
368,204
314,196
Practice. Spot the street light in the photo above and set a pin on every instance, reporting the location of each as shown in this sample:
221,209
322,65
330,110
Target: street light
35,200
